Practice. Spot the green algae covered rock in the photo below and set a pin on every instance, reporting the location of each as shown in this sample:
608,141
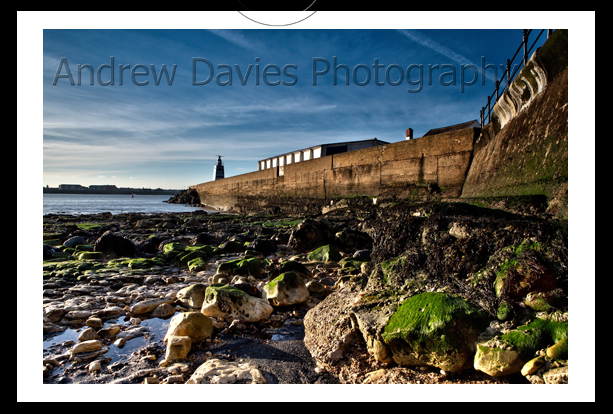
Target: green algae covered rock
250,266
228,302
506,354
197,264
327,253
90,255
435,329
143,263
285,290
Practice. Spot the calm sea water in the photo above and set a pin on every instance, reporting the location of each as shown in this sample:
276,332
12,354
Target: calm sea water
113,203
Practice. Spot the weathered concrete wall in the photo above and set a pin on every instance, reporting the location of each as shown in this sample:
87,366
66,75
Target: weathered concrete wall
396,169
524,150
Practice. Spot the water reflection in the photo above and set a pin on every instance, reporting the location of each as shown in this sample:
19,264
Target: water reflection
155,330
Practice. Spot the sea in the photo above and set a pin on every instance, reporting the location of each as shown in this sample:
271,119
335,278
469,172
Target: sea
75,204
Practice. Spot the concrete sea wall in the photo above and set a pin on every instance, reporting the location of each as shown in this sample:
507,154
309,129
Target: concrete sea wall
401,169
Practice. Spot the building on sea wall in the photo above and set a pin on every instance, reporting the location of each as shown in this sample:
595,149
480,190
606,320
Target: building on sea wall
470,124
315,152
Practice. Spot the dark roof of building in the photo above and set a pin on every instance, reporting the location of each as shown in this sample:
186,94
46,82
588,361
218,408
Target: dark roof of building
469,124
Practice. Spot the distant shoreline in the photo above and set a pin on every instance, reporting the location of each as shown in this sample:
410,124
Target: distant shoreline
135,191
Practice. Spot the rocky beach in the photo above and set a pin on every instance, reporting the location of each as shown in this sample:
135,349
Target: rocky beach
363,292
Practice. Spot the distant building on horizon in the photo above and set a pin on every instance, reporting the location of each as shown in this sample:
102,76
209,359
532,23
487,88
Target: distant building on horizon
72,187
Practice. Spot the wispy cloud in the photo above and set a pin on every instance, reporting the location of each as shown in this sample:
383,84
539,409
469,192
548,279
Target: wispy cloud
433,45
238,39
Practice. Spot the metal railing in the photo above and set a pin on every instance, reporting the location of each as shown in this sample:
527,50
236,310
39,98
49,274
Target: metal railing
486,111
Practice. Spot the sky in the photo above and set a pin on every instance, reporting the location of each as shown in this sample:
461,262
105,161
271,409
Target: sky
169,135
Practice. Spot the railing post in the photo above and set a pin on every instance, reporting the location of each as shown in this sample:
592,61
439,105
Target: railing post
525,46
489,98
508,73
482,110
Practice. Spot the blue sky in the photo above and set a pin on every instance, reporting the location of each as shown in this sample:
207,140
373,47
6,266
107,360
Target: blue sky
168,135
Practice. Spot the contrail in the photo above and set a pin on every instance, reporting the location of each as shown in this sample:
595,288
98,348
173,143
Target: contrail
440,49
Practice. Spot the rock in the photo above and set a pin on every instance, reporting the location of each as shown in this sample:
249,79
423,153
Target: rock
296,267
232,246
163,311
285,290
87,346
53,314
327,323
265,246
362,254
556,376
559,350
533,365
220,279
310,234
508,353
48,252
118,246
94,322
177,347
327,253
250,266
192,296
459,231
349,239
521,273
192,222
149,305
88,335
435,329
195,325
75,241
198,264
227,302
77,316
216,371
94,366
109,332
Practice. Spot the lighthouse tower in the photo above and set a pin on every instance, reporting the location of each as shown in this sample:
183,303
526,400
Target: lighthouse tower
218,171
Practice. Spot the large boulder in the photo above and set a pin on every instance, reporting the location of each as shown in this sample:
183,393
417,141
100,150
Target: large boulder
113,245
435,329
264,246
285,290
195,325
311,234
250,266
327,253
192,296
75,241
228,302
